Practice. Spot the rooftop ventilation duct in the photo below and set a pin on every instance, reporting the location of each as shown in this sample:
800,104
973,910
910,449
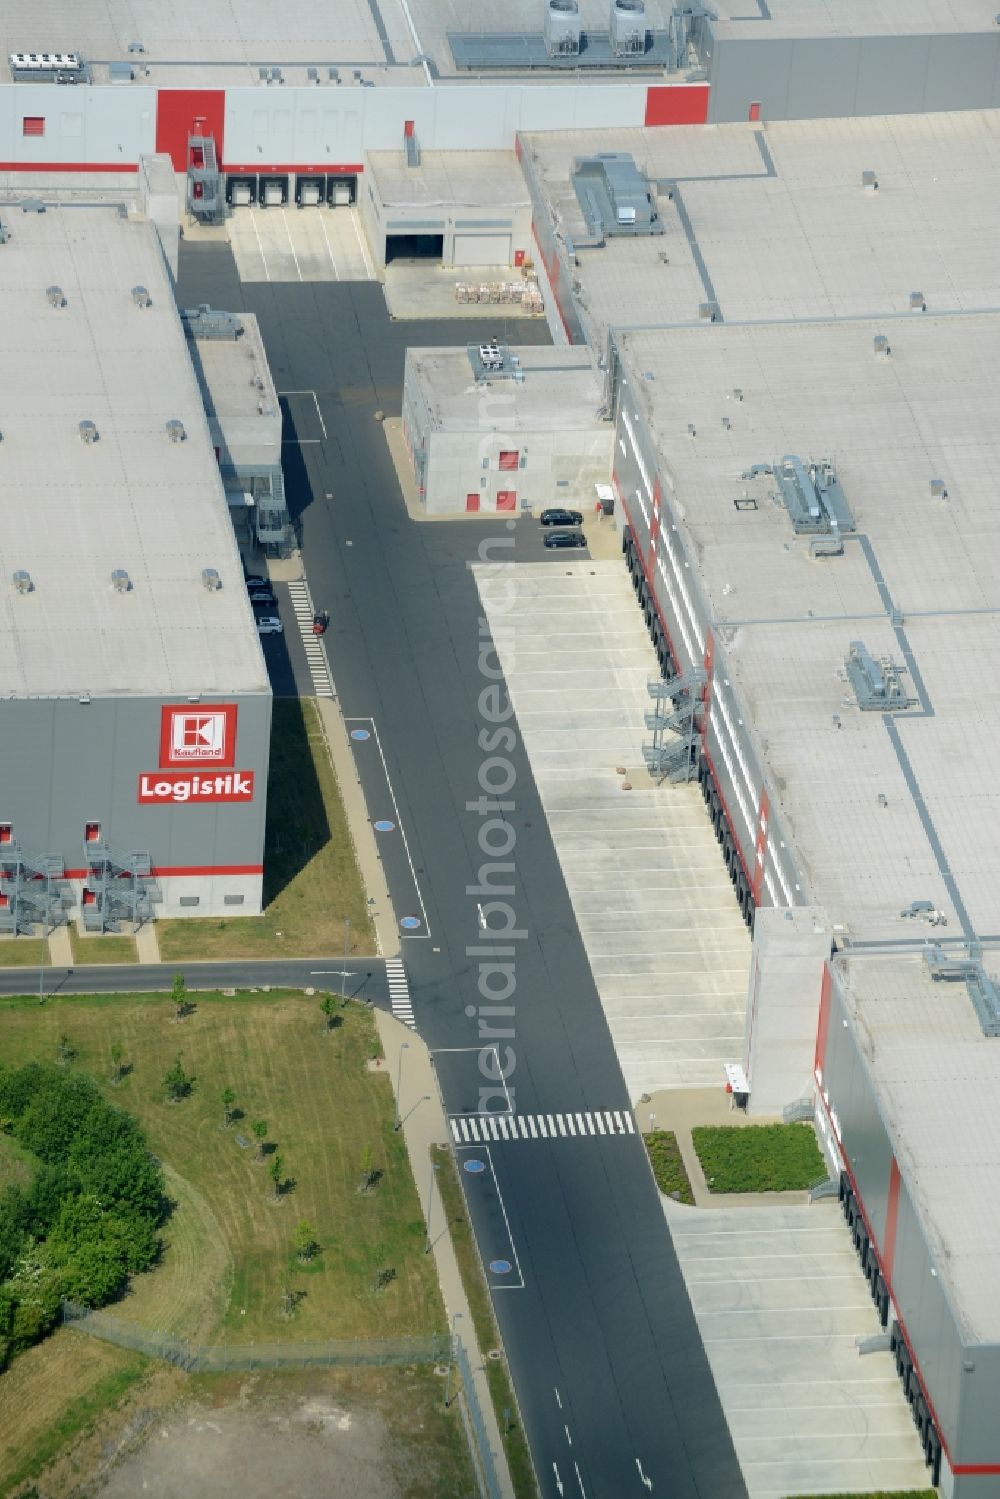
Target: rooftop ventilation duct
628,28
88,431
141,297
22,581
562,28
55,296
120,580
175,431
878,685
210,579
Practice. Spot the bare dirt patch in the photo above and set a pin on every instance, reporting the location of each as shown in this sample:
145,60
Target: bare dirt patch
311,1446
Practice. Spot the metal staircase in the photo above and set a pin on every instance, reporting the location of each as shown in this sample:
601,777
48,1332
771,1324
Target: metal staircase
119,888
206,198
33,892
671,754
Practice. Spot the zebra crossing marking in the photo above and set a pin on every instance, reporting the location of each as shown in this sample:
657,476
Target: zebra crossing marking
476,1129
316,658
399,992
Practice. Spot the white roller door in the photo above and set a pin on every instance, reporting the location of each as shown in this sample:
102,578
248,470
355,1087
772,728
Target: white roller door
482,249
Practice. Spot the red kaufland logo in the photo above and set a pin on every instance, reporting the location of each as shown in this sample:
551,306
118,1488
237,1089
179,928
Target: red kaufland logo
187,786
198,736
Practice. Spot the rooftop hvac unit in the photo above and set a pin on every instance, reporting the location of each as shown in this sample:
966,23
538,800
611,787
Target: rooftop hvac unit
22,581
141,297
628,28
120,580
562,28
88,431
175,431
55,296
210,579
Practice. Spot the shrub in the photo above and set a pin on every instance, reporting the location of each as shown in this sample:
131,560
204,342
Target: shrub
759,1157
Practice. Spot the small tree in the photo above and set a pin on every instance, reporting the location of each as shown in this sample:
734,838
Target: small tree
276,1171
370,1175
178,993
65,1051
260,1132
306,1245
228,1099
289,1297
117,1065
329,1006
177,1082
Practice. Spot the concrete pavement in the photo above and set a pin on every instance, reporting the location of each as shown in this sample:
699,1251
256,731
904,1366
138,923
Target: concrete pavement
424,1124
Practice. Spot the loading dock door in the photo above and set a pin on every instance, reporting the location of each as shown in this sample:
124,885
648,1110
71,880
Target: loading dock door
482,249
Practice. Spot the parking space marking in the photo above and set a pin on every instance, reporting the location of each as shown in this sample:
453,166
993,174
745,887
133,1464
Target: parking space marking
288,234
260,246
329,249
407,936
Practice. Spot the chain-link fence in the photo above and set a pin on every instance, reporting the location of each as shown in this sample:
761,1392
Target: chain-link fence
217,1358
482,1451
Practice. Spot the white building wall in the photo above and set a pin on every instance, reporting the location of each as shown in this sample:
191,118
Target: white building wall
83,124
790,948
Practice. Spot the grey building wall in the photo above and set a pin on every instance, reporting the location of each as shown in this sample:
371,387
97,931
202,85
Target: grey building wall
823,77
552,253
67,763
924,1310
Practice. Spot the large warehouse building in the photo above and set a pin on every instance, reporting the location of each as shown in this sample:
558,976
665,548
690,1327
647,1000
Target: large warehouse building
805,468
134,699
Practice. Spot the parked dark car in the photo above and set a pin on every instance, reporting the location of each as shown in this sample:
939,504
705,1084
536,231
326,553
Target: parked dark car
254,580
564,539
263,596
561,518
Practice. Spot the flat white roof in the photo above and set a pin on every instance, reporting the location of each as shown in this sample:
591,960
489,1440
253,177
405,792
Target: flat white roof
74,511
559,391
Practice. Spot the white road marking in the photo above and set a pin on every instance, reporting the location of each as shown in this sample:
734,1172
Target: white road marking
579,1480
406,936
361,245
329,251
288,235
263,257
484,1127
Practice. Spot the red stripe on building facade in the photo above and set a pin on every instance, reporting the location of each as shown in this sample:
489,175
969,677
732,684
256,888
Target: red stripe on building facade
178,871
676,104
824,1022
760,849
891,1219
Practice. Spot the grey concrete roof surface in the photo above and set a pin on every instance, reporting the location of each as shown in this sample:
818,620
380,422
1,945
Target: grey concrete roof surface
229,372
775,223
821,18
560,391
73,510
787,619
939,1078
458,179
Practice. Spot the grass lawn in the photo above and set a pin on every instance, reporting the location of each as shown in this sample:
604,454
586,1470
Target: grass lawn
229,1244
24,952
110,948
467,1254
759,1157
668,1167
311,880
51,1393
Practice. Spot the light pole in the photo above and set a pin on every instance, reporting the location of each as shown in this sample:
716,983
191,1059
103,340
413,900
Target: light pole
652,1122
347,950
404,1046
451,1360
430,1204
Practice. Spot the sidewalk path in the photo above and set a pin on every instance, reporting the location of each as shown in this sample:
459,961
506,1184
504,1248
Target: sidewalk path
424,1125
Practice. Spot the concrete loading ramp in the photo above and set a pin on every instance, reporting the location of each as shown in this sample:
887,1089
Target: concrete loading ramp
664,936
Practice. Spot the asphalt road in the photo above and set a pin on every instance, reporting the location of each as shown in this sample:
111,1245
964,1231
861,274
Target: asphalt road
365,979
612,1379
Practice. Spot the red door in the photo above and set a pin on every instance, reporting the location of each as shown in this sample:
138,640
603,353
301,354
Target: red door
506,499
472,502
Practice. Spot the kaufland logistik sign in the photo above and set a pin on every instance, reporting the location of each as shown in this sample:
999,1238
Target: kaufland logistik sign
197,755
